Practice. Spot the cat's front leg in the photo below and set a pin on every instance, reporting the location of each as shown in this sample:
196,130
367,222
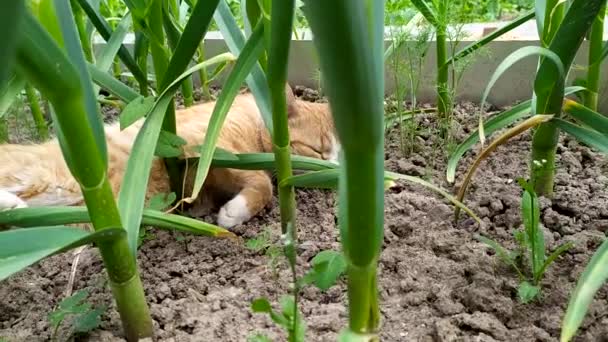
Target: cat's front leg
256,192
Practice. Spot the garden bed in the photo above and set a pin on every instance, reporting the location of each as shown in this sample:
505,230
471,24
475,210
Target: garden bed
437,282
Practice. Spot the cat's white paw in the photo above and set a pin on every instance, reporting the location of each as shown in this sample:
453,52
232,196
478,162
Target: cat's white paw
10,201
234,212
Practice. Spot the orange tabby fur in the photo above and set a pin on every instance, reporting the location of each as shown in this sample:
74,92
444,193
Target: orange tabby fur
36,175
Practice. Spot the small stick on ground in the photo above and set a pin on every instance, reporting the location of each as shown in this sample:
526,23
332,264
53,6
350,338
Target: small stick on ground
77,252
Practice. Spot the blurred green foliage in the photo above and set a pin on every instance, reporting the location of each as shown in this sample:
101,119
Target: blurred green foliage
396,10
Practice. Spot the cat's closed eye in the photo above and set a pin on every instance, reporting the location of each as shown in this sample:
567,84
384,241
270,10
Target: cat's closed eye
307,150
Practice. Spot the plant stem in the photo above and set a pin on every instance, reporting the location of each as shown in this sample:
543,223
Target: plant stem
544,147
203,73
85,40
363,296
161,62
173,36
39,121
351,57
120,265
83,146
116,68
596,38
187,92
567,34
443,91
141,57
278,54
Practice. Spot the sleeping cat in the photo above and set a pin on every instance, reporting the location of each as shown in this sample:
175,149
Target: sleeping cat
36,175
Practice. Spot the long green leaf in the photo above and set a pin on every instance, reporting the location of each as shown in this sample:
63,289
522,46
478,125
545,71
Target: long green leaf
604,52
508,62
553,256
131,196
20,248
322,179
593,278
189,41
108,54
106,58
132,192
415,180
105,31
491,37
184,224
11,13
266,161
540,7
585,135
585,115
494,124
242,68
53,216
549,85
109,83
76,55
44,12
428,11
256,80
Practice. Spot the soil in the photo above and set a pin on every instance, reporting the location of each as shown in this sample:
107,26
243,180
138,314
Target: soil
437,283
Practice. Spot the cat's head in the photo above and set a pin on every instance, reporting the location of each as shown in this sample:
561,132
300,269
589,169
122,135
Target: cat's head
311,129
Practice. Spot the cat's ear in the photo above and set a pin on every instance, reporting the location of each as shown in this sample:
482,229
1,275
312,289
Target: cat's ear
291,101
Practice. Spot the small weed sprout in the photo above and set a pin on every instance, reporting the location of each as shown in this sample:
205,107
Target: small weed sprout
283,319
327,267
531,248
318,78
407,64
84,317
456,34
264,243
258,338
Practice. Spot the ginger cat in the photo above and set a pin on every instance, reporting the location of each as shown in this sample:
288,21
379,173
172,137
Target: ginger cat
36,175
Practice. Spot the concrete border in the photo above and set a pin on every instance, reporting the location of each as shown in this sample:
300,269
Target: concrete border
515,85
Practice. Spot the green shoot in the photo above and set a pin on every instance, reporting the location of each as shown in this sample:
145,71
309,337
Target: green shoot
285,319
257,338
529,260
264,243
